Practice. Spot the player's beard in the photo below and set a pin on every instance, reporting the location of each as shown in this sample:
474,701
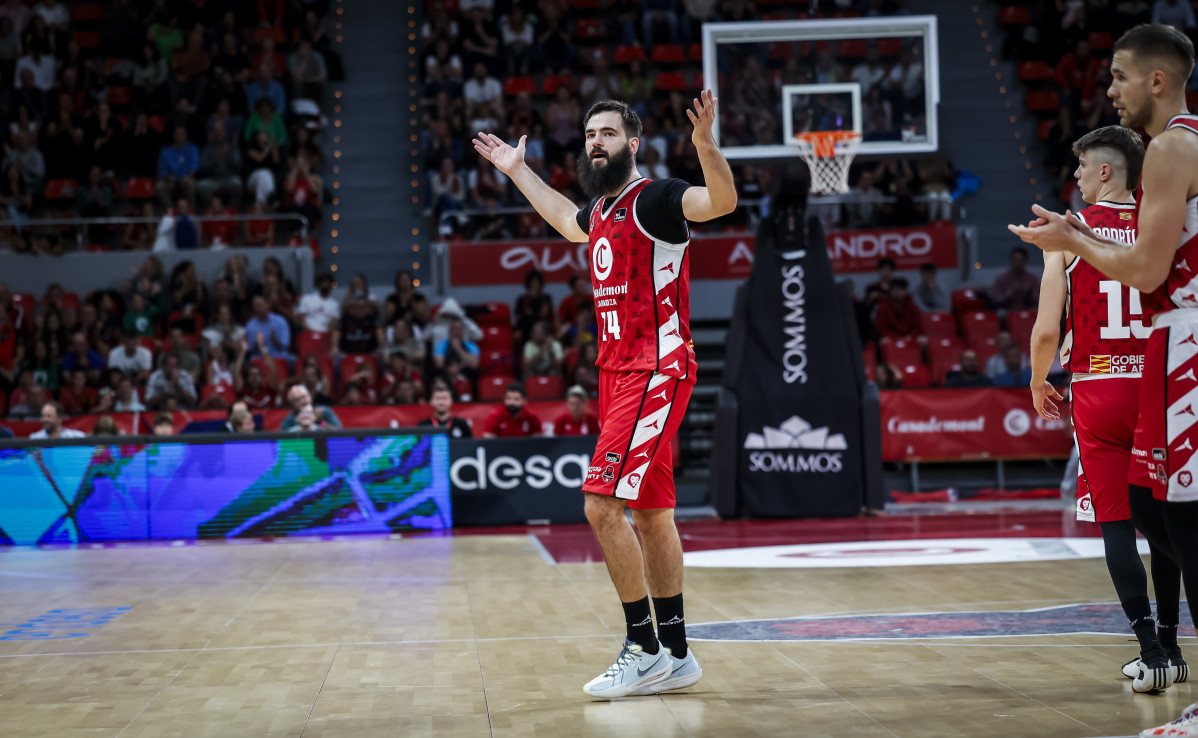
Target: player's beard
599,181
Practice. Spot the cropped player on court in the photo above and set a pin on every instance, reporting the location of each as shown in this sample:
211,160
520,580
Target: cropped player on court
1150,67
1104,348
638,235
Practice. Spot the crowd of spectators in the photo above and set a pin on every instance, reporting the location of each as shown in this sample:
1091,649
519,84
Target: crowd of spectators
958,338
1073,39
166,342
153,107
532,69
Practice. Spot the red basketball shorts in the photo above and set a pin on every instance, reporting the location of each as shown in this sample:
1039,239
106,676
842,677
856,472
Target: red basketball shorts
1168,426
639,414
1105,412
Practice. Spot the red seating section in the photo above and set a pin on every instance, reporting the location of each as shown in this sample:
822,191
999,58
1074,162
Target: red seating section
543,388
491,388
314,343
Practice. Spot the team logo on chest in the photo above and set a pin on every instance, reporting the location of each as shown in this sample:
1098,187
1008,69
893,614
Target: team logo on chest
601,259
621,214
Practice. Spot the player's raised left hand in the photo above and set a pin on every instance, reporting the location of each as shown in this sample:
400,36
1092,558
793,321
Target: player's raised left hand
702,118
1050,231
1042,400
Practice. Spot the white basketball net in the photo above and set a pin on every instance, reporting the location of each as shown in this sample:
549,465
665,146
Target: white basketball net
828,156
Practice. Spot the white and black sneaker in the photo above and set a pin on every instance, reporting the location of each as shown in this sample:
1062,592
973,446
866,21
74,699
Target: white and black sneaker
1153,674
634,670
684,672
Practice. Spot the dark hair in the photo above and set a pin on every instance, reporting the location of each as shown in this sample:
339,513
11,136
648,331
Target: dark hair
1159,42
163,419
516,387
887,263
531,275
927,266
628,116
57,407
1123,141
900,282
1019,250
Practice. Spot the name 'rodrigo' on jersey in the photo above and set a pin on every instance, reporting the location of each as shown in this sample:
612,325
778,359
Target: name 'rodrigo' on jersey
641,279
1106,331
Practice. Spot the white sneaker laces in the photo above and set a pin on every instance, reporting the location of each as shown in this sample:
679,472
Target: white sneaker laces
624,660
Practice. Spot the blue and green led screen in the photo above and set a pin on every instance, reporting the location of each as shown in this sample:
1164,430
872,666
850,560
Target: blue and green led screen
239,488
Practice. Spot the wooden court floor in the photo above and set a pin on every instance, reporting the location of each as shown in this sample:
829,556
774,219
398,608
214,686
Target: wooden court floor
485,636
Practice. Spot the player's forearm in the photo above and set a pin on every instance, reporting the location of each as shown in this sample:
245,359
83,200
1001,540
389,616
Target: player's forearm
553,206
1044,348
1117,262
718,177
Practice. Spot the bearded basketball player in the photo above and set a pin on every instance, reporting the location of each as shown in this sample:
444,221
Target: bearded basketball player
1150,66
1106,335
638,235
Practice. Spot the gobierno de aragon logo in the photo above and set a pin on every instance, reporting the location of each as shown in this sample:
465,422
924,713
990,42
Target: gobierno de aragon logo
795,446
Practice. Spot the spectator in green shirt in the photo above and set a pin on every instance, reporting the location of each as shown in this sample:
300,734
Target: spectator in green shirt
139,319
166,36
266,120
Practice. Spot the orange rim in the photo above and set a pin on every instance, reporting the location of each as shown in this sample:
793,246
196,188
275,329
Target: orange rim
823,143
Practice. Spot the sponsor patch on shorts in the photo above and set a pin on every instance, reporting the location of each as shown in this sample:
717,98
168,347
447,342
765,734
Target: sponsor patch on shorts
613,458
1158,454
609,474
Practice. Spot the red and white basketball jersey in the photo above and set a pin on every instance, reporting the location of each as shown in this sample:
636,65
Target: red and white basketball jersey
1106,332
642,292
1180,289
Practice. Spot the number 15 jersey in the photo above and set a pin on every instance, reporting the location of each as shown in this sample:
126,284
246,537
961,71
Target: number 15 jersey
1106,331
641,279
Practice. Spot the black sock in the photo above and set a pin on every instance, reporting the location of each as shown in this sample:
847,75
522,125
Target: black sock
1167,635
671,625
640,625
1145,629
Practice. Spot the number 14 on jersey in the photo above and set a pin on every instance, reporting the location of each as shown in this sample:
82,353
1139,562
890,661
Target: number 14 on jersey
609,325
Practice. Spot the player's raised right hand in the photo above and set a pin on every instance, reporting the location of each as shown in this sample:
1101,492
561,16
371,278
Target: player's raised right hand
498,152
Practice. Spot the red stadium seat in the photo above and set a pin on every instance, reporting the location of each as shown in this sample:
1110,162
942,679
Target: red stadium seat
314,343
491,388
667,54
671,81
853,48
978,325
70,300
966,299
1102,41
496,338
278,34
119,97
1040,101
590,29
1020,323
139,188
157,123
938,324
694,53
901,352
223,391
1044,130
515,85
61,189
1014,15
944,355
497,361
494,313
89,12
543,388
781,50
569,360
890,46
149,342
351,363
97,248
87,40
916,375
870,359
1034,71
550,84
626,54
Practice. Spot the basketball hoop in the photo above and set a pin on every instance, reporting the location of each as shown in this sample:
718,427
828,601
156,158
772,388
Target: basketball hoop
828,155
